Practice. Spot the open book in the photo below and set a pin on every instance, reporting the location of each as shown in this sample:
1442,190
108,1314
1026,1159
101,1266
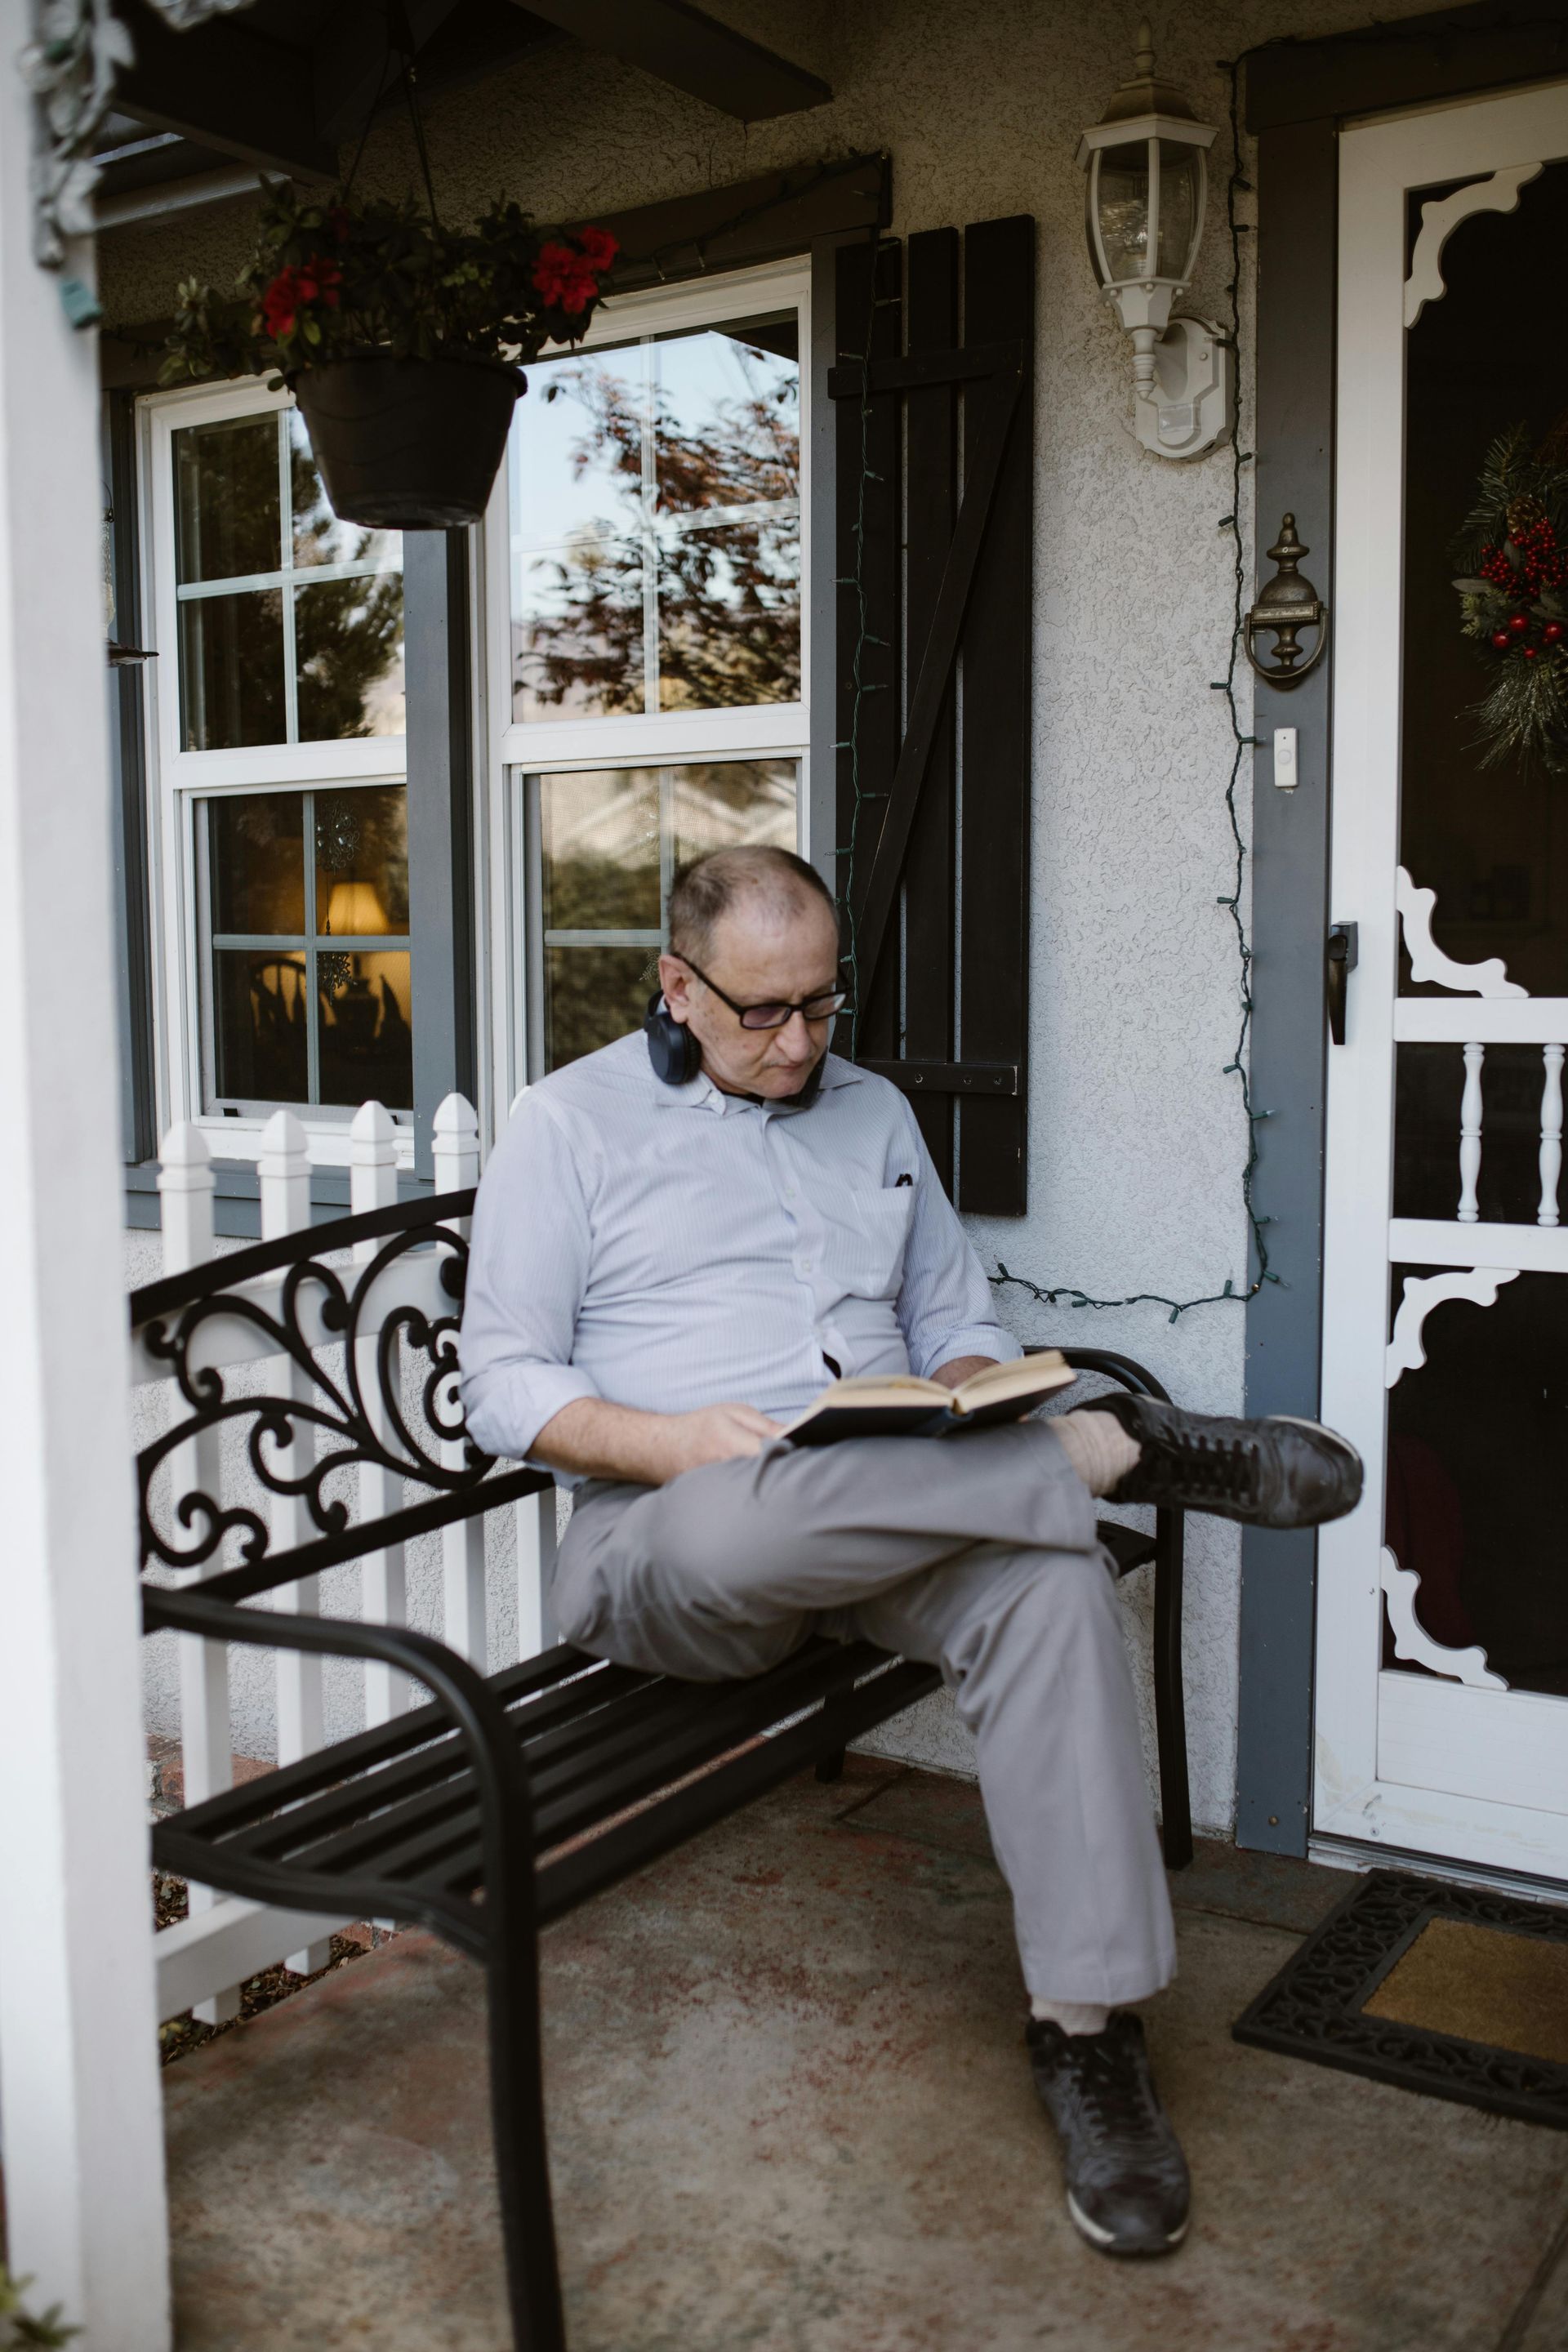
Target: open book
896,1404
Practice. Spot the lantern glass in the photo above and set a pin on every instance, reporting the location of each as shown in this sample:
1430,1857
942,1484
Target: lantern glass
1180,209
1119,213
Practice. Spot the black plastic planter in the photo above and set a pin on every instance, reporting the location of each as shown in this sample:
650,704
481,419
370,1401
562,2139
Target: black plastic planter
408,445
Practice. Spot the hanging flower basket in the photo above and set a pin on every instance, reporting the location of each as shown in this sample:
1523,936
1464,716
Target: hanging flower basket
408,445
400,340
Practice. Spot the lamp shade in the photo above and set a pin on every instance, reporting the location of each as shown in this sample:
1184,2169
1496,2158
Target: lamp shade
1148,178
354,911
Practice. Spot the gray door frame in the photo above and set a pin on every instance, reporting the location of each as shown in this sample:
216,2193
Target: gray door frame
1298,95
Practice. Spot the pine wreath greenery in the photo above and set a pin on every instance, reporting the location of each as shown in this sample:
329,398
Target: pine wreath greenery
1513,596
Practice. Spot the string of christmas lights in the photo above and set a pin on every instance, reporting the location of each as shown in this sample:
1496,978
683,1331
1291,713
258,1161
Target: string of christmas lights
1051,1294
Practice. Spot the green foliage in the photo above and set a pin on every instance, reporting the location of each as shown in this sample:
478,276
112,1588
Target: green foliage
19,2328
1513,549
332,279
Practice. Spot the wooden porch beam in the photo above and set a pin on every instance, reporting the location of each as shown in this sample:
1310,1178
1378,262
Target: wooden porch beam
229,89
691,51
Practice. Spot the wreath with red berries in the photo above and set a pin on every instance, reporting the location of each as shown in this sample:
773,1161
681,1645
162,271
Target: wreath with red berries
1513,596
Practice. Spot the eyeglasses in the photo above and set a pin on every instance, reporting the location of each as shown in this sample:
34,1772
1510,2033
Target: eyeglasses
773,1016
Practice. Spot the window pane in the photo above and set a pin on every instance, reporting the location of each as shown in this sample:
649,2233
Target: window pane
231,671
599,835
1124,209
361,861
348,639
593,995
259,1017
1178,205
225,494
367,1046
577,631
727,417
577,446
319,536
729,616
256,844
733,801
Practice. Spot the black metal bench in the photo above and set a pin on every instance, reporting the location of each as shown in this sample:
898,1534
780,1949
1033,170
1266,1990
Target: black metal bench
507,1799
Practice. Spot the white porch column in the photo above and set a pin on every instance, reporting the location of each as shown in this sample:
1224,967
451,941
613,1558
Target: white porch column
80,2108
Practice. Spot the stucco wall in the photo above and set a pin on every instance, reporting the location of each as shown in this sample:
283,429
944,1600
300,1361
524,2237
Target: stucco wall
1136,1136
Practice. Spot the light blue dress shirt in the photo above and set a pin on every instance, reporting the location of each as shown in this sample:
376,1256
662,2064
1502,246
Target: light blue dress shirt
671,1247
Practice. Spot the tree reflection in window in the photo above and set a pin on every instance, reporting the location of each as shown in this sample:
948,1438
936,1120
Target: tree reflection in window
656,527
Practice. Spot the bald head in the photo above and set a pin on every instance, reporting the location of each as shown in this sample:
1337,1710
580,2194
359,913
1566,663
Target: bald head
762,888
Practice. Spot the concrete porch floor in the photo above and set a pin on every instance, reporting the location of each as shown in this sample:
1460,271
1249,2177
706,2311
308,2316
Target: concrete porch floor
790,2112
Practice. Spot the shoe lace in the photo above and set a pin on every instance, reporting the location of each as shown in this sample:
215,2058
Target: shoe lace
1116,2097
1224,1467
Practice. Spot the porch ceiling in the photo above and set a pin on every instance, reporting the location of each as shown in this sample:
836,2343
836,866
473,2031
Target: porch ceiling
284,84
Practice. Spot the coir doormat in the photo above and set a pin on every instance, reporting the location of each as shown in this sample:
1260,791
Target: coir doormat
1448,1990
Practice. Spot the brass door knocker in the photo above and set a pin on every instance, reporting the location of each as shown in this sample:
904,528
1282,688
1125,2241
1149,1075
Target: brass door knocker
1287,605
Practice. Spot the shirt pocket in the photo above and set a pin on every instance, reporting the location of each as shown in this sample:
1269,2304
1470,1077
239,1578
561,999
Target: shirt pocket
868,1233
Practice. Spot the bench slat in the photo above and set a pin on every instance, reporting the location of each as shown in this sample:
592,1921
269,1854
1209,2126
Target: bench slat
602,1861
631,1736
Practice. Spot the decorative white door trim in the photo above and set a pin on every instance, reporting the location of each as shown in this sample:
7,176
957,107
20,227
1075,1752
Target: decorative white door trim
1442,216
1458,1767
1428,961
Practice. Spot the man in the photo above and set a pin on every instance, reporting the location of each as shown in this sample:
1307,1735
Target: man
665,1268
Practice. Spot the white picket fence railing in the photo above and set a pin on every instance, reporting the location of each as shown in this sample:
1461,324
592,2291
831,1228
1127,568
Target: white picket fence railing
203,1959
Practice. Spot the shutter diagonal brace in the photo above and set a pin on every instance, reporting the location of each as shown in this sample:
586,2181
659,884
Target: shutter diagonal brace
1005,364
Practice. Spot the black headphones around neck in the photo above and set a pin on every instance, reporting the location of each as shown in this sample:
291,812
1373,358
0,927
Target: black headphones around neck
677,1055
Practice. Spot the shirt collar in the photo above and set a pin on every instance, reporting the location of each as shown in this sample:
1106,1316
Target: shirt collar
701,1094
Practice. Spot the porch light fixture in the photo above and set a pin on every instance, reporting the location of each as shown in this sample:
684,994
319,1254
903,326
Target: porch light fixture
1148,179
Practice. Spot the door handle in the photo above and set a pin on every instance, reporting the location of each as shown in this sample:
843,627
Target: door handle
1340,951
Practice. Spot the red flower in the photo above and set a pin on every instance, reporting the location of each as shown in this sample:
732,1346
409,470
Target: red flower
568,275
598,248
565,279
317,280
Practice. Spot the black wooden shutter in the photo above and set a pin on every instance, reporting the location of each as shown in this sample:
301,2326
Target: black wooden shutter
932,682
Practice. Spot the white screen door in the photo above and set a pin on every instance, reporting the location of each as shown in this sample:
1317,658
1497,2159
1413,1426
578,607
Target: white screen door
1442,1683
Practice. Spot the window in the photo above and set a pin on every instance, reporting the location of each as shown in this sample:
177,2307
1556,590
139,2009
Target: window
305,896
280,721
653,657
610,840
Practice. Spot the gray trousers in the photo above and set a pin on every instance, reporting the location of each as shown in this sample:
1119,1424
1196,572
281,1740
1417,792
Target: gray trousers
976,1553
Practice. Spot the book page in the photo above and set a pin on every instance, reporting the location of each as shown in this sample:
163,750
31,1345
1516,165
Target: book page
1030,1376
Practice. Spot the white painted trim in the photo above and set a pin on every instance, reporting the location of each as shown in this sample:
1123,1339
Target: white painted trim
697,302
1412,1641
177,778
664,739
1441,217
1482,1020
1427,960
774,731
80,2109
1403,1759
1430,1240
1421,1294
227,1942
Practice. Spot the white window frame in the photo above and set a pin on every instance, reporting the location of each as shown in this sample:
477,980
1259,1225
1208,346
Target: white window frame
779,731
179,779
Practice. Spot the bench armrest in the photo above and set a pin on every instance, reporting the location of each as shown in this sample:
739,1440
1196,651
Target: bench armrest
500,1770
